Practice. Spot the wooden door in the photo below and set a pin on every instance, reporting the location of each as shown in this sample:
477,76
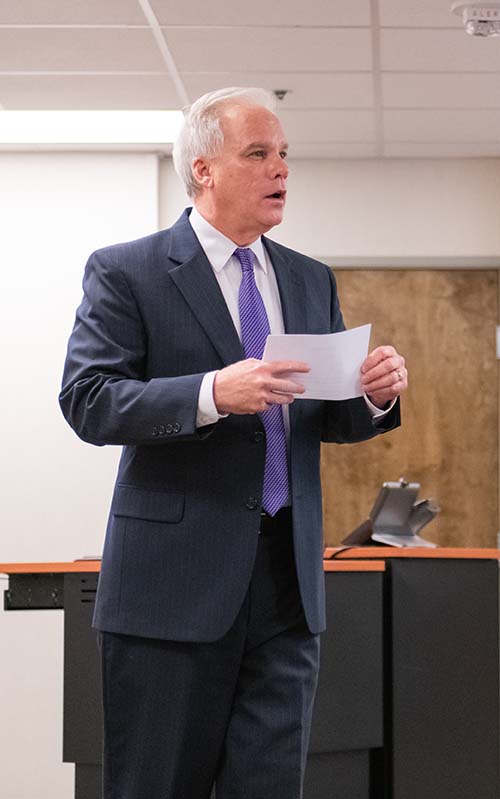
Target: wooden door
444,322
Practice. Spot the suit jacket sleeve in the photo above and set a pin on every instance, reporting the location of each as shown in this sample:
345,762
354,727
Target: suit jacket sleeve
349,421
107,396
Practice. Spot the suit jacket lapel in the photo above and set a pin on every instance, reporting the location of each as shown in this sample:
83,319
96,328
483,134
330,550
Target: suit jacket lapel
198,285
291,288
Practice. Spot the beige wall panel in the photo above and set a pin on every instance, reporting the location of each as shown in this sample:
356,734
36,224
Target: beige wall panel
444,322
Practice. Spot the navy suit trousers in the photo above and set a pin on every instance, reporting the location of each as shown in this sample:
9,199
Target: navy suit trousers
183,717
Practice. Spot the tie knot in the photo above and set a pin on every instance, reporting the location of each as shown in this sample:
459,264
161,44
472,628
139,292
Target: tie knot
245,257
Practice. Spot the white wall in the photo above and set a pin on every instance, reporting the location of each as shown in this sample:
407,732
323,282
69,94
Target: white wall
381,209
54,210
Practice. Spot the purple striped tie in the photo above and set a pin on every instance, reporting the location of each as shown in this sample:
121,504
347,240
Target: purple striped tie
254,331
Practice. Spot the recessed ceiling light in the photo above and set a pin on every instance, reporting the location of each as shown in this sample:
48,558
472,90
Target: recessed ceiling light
479,19
89,127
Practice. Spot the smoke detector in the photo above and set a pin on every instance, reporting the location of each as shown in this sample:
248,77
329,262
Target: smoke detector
479,19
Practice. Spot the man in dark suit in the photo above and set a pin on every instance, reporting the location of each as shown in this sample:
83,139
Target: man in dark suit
211,594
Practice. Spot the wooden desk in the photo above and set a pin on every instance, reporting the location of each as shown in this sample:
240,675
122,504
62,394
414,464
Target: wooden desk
413,553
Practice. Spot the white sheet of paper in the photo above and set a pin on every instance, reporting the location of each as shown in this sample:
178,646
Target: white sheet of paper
335,360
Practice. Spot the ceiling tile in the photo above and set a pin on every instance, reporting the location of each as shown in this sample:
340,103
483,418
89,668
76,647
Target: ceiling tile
442,126
311,90
438,90
325,126
438,51
84,49
332,149
269,49
88,92
442,149
71,12
262,13
418,13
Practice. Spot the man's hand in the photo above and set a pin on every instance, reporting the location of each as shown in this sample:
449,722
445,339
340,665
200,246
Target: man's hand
383,375
251,386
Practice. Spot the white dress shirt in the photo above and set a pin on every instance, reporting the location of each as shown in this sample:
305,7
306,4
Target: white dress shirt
227,270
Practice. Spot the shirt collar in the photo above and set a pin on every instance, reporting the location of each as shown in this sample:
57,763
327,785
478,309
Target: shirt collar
218,248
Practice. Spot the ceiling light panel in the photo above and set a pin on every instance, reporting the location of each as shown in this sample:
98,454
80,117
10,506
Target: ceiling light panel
89,127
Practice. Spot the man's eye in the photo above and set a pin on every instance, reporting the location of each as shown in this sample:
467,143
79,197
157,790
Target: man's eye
258,154
283,153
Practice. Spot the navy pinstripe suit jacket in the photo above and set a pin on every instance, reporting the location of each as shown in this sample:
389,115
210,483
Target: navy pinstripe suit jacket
184,519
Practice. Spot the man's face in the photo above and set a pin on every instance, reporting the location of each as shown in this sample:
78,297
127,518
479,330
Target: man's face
249,174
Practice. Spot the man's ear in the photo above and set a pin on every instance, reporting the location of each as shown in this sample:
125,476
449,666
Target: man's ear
202,172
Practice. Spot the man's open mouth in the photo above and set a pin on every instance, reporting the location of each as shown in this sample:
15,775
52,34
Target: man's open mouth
278,195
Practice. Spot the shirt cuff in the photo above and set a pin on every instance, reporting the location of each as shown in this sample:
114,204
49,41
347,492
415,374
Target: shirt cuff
207,412
378,413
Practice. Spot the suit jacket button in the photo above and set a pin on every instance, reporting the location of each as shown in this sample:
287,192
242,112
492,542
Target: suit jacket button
258,436
251,503
154,431
177,427
161,429
169,428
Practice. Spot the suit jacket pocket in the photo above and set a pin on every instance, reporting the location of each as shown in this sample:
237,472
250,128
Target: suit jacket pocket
153,506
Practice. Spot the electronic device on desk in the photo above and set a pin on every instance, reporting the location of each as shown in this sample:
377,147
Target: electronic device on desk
396,518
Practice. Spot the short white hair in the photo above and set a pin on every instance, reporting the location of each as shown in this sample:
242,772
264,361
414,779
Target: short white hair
201,133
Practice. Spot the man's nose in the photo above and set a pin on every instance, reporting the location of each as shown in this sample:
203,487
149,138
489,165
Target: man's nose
279,166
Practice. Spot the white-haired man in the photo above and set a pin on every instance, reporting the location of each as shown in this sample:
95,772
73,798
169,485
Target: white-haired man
211,593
